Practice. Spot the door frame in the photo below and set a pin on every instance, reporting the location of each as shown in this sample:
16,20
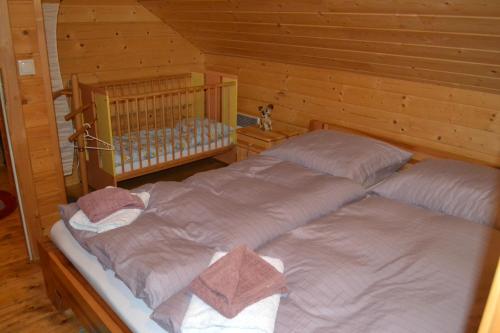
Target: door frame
16,133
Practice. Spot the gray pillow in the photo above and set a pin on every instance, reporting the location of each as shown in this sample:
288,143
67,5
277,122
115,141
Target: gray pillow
366,161
451,187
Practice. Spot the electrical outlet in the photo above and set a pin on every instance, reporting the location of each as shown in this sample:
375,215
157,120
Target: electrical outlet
26,67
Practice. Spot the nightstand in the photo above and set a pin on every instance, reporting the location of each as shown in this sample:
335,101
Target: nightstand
252,140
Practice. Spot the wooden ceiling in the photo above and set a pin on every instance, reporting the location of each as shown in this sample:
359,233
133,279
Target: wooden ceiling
449,42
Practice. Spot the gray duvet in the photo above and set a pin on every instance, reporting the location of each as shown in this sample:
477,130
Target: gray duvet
378,266
250,203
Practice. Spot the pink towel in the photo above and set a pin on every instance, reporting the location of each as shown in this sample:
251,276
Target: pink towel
102,203
237,280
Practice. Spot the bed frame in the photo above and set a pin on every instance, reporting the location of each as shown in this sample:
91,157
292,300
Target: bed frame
152,124
68,289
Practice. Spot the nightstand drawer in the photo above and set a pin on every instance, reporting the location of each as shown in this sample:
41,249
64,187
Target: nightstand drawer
245,149
252,140
255,142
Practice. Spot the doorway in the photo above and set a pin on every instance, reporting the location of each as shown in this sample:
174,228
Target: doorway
8,200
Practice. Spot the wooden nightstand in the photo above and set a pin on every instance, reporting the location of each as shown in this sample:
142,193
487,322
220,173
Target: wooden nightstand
252,140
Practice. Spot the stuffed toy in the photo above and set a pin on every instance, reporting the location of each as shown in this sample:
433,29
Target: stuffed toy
265,121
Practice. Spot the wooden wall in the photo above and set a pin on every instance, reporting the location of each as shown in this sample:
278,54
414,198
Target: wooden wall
464,122
32,122
104,40
454,42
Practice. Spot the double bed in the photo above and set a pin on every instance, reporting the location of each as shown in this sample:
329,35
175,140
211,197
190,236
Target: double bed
353,261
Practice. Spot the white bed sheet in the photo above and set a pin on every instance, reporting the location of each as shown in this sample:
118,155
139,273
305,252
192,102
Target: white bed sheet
133,311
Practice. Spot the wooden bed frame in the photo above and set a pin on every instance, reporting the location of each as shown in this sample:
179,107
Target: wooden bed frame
68,289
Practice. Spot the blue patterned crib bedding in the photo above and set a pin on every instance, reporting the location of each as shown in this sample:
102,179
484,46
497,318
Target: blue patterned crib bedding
187,138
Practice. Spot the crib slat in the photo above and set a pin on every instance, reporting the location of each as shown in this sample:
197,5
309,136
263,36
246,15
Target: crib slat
129,136
225,116
186,107
156,131
164,126
228,115
217,115
138,126
195,120
172,127
210,110
120,135
204,115
179,113
148,139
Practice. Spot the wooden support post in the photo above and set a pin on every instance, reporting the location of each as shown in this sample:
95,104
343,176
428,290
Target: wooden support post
78,123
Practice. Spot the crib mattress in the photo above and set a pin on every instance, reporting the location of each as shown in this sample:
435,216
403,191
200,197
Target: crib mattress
162,145
178,154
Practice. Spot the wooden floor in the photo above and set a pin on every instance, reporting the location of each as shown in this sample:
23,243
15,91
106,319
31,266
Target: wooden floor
23,304
4,179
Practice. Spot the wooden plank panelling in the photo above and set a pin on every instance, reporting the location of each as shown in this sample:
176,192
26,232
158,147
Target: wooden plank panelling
450,7
460,121
112,40
452,43
34,134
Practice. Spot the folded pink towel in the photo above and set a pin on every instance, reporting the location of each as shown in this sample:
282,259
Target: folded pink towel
102,203
237,280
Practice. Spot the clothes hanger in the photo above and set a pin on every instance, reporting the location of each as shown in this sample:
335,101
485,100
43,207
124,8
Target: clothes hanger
90,138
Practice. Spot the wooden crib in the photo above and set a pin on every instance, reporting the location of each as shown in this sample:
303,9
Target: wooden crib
136,127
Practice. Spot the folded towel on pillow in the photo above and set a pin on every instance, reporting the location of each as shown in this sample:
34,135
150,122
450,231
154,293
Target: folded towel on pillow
236,281
102,203
119,218
258,281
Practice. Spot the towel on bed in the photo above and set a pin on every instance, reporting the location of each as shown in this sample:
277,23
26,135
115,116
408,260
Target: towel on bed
236,281
117,219
257,317
104,202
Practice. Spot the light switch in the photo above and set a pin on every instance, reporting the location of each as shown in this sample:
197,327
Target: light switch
26,67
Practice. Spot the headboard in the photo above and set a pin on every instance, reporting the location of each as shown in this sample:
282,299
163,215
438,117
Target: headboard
419,152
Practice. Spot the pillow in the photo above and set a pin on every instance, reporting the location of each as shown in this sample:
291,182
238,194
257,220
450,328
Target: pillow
67,212
102,203
363,160
451,187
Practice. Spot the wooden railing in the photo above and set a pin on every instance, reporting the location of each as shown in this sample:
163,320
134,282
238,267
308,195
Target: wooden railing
76,117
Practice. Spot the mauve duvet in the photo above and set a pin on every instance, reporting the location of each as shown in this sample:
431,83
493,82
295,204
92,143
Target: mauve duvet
248,203
377,266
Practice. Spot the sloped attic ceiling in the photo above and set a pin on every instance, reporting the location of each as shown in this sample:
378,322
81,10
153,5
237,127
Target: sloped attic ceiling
450,42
